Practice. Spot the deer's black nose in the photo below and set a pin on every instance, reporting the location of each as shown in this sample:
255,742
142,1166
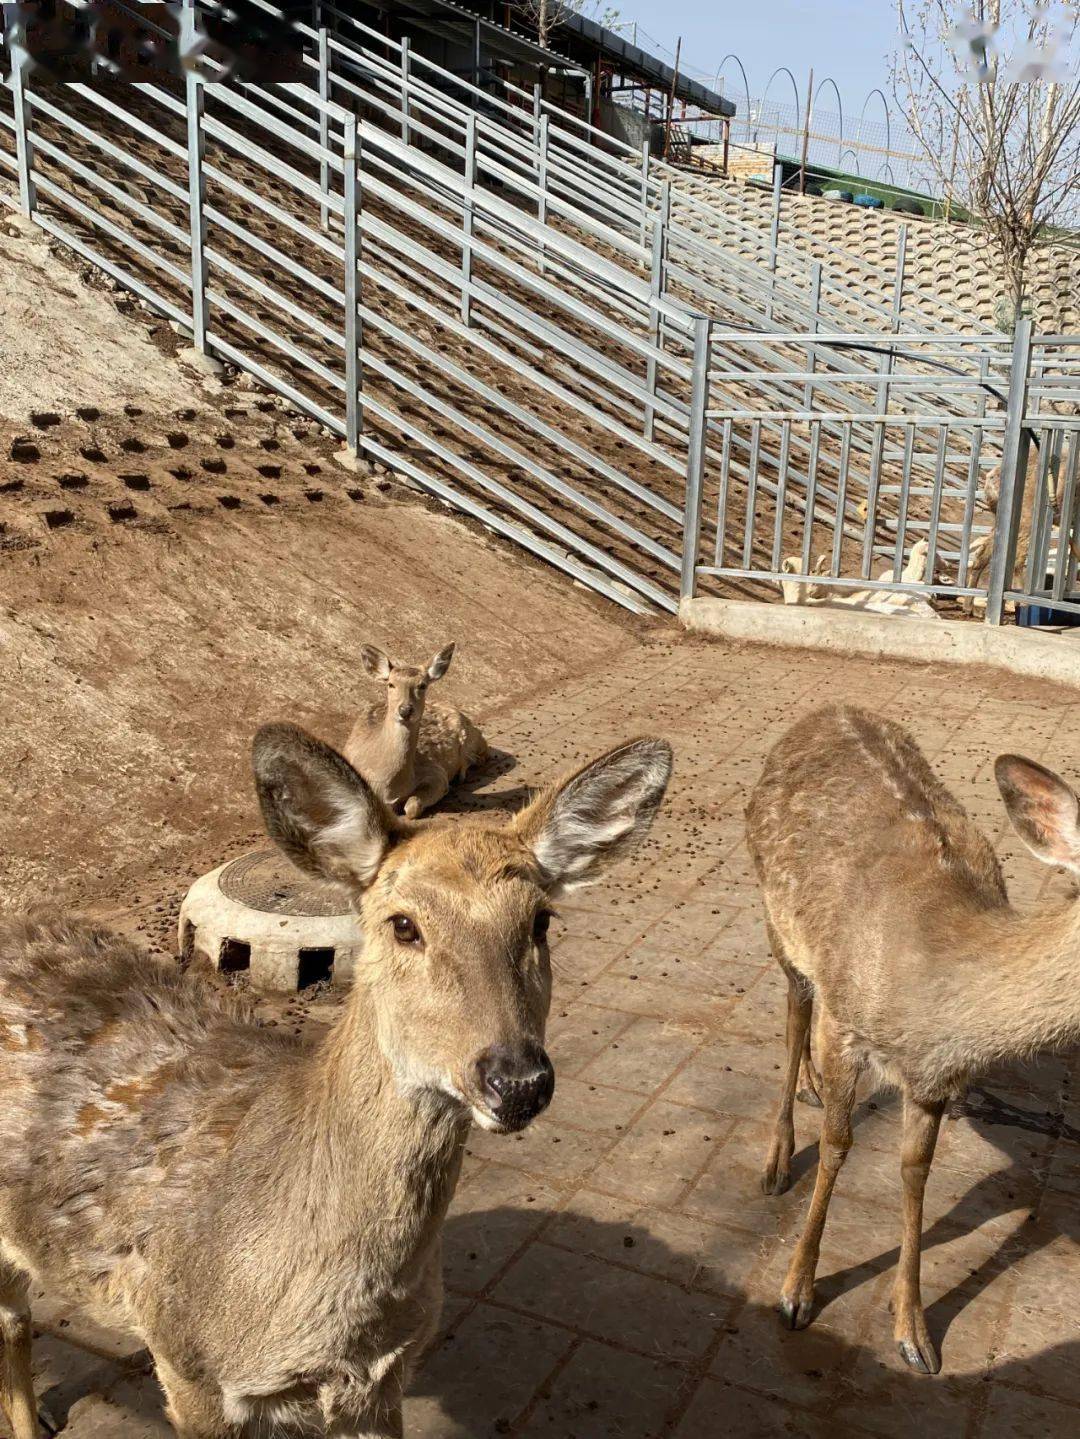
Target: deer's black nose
517,1083
406,712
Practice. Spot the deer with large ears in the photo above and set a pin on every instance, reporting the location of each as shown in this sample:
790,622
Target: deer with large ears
887,910
411,752
265,1213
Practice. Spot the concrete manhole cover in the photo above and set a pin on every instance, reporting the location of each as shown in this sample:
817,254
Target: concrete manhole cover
269,883
259,915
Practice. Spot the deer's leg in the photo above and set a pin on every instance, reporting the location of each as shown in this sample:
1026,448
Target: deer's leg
809,1091
839,1077
921,1124
432,783
800,1004
16,1376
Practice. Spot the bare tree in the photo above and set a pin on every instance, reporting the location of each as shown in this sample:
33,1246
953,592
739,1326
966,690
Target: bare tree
546,14
991,94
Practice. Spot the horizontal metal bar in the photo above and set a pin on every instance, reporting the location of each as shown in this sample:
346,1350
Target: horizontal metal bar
109,267
97,221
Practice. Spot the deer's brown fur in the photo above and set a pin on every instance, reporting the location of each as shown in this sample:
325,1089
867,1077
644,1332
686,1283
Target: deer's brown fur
887,910
265,1213
409,751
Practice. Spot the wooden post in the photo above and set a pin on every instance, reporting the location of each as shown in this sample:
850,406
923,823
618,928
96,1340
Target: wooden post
671,100
727,145
806,132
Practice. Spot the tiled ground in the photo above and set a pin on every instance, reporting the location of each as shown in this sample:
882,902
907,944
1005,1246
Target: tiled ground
611,1273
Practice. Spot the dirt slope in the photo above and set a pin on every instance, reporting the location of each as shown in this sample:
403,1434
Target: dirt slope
169,578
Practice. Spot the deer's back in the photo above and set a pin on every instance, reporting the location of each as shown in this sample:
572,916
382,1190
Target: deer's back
865,858
449,739
123,1085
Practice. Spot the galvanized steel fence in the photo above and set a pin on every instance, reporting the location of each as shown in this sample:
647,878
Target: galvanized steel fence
973,502
538,327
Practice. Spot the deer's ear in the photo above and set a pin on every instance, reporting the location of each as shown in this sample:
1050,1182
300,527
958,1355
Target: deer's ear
580,826
1045,812
317,809
441,663
375,662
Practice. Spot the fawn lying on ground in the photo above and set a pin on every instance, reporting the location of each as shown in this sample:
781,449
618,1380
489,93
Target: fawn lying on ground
266,1214
886,909
410,753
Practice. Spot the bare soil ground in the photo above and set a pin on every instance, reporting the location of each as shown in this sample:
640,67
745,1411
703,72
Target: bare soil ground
180,561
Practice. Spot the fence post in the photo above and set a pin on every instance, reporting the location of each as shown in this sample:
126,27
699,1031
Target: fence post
538,106
811,350
24,154
1014,459
695,462
657,286
406,68
467,219
898,282
774,232
542,182
877,451
644,191
353,331
195,100
324,123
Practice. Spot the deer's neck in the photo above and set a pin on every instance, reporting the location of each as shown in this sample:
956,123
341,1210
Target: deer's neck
380,1165
398,741
1027,995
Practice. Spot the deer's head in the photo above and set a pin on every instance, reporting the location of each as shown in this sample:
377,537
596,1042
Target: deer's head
406,686
455,915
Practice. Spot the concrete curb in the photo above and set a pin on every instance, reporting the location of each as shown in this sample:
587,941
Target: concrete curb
1020,651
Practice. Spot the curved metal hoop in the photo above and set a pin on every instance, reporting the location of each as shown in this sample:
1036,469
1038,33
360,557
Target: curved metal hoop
888,123
828,80
781,70
746,84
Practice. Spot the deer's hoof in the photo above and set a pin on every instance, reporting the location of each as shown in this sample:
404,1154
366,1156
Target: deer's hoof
776,1180
796,1312
807,1096
920,1355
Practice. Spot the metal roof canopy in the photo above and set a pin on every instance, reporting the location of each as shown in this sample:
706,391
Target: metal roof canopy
511,44
629,58
636,61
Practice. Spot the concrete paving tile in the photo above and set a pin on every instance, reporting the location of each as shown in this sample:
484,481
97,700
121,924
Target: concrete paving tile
661,1155
546,1149
605,1393
646,1054
473,1384
489,1220
1015,1414
710,1257
721,1410
1040,1351
610,1302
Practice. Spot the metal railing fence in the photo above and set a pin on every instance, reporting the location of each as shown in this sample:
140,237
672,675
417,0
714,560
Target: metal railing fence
974,504
501,307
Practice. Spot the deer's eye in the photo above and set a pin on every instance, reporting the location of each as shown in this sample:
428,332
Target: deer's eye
540,926
405,931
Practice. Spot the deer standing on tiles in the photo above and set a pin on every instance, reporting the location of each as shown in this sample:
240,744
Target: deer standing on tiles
887,911
265,1213
408,751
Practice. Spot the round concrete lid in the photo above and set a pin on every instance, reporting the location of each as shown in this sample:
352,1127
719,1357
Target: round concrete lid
267,882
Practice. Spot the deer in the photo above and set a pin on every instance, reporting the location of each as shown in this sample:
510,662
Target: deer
886,602
982,550
411,752
887,911
264,1212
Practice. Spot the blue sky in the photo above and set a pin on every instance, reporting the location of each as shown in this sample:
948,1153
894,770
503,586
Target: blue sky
843,38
